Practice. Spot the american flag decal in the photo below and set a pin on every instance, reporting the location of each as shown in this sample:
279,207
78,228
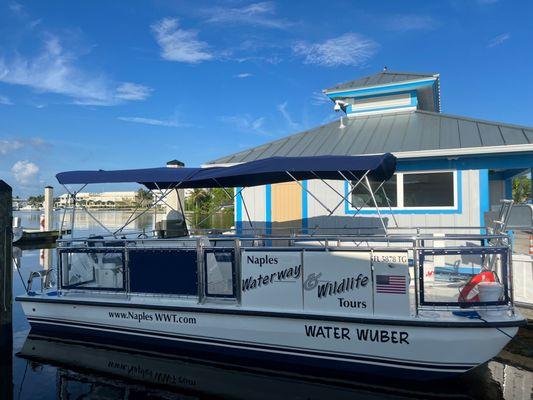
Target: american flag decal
392,284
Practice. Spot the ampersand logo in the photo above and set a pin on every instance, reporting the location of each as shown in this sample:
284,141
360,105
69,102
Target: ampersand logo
311,281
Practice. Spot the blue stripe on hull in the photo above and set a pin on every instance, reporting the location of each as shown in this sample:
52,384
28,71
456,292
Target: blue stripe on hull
250,358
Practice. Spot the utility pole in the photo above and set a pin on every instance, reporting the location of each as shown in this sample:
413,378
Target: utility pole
6,292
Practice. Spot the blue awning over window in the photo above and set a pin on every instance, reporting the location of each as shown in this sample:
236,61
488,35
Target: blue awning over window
253,173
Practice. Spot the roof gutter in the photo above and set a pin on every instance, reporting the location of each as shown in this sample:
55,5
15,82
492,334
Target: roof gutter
451,153
512,148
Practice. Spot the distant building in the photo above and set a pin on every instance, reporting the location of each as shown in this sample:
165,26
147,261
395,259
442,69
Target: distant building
103,199
108,199
450,171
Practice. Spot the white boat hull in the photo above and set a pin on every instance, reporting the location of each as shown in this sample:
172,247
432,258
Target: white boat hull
408,348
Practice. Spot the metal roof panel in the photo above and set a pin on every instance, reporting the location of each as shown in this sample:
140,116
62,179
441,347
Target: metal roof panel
490,135
380,78
395,132
469,134
449,137
513,135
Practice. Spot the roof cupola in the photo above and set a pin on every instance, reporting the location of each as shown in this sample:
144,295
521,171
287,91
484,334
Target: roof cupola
387,92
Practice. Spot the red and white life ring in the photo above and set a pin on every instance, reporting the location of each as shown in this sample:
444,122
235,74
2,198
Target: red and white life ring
466,291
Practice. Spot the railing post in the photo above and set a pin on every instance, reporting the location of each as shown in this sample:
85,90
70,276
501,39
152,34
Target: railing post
415,271
238,269
510,277
6,292
201,270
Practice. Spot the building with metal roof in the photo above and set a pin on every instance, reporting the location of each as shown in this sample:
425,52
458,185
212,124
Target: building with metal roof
451,169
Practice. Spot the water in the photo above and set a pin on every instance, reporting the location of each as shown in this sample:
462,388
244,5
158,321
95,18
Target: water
45,369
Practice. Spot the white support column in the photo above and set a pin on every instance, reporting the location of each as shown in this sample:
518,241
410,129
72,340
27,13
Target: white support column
48,208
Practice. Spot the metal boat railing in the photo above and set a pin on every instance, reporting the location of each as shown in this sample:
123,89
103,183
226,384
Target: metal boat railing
418,246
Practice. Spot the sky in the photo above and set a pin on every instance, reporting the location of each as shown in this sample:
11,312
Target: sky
116,85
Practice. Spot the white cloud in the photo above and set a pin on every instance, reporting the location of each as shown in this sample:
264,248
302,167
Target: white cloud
270,59
256,14
8,146
54,70
282,108
133,91
319,98
410,22
180,44
5,101
153,121
348,49
496,41
25,171
246,123
243,75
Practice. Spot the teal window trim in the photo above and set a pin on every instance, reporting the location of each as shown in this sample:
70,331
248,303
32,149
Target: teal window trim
458,209
477,162
484,199
268,209
238,211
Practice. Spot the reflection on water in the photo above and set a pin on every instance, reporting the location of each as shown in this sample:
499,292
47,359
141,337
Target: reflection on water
94,370
58,369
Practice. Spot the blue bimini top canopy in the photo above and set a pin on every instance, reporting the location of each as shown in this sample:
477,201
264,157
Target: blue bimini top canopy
254,173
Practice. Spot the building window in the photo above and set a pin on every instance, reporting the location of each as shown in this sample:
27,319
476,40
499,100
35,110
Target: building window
409,190
361,197
428,190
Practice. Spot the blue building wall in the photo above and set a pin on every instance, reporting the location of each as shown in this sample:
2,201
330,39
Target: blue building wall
501,166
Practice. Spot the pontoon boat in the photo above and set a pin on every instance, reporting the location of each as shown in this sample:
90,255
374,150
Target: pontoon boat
336,302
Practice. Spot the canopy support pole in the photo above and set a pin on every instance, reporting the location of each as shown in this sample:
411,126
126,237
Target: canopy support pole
375,204
389,205
248,214
344,198
134,211
332,188
145,211
243,203
358,209
232,198
307,191
86,210
64,214
366,202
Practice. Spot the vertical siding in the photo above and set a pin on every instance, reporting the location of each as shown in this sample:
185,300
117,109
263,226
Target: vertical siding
469,216
255,200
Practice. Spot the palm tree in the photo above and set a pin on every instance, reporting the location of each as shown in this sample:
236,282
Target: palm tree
143,197
200,198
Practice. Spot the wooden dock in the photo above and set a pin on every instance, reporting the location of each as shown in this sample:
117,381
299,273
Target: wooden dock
35,237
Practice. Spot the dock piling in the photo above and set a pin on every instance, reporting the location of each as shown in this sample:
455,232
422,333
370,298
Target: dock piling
6,292
48,208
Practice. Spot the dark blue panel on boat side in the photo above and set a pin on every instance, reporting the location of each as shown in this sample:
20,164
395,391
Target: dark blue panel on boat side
163,271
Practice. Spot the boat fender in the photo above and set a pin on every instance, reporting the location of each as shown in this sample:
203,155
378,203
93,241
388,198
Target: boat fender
485,276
